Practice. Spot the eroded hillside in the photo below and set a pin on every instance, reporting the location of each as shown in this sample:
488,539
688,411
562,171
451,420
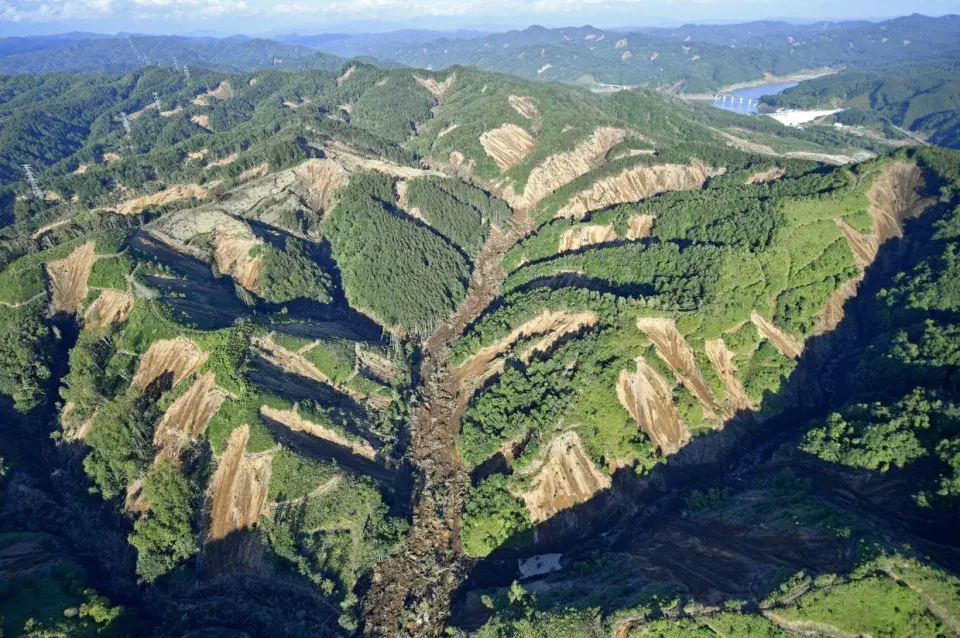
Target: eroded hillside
309,352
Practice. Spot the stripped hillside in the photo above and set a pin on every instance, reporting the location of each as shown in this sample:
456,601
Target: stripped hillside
325,340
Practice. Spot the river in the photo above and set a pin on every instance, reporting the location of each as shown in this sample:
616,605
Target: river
746,100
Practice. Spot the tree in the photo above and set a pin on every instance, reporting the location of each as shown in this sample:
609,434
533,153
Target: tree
492,516
164,537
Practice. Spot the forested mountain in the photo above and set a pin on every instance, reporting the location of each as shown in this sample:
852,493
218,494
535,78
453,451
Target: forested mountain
702,58
403,352
922,98
125,54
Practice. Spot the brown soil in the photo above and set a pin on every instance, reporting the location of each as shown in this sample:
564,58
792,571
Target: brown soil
170,113
640,227
635,184
621,44
175,193
343,78
238,494
355,163
586,235
181,357
824,158
677,354
648,397
567,477
320,179
893,199
201,120
864,249
110,157
507,145
722,360
293,420
253,173
231,254
44,229
51,196
463,166
438,89
487,362
229,159
134,501
68,279
787,345
198,155
381,368
290,362
448,129
110,307
83,168
524,106
544,68
772,174
565,167
626,56
832,313
187,418
222,92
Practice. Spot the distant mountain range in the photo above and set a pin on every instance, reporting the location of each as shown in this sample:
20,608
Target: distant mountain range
688,59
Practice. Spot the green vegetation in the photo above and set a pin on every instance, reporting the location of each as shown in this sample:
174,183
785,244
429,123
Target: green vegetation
334,357
110,273
291,274
492,516
163,536
921,97
459,212
121,441
400,272
26,349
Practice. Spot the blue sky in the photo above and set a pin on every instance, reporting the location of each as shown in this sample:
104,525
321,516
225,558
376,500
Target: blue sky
254,17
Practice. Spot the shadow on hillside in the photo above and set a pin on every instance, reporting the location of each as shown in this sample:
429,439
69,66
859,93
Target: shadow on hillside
641,520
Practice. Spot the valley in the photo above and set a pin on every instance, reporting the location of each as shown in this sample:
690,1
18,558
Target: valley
336,349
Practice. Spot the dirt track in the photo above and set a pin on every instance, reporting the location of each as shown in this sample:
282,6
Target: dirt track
410,593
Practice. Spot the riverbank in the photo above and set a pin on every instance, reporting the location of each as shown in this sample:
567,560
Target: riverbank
768,78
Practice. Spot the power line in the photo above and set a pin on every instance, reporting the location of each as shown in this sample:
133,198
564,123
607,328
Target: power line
32,181
126,122
156,100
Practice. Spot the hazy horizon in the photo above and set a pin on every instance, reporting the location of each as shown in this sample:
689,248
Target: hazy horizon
255,18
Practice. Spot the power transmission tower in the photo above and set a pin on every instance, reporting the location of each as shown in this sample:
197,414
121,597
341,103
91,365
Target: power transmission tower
156,100
186,71
176,65
126,122
32,181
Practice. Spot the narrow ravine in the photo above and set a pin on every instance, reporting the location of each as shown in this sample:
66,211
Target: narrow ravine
410,593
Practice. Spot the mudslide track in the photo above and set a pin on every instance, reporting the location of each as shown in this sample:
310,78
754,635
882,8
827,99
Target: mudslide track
410,592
